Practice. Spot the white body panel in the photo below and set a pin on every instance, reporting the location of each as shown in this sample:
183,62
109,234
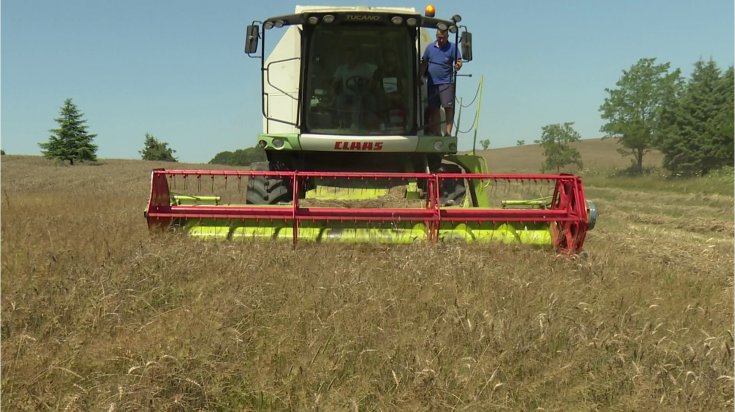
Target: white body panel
281,84
331,143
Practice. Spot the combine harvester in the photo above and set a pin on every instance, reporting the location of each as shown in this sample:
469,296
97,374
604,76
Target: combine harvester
356,160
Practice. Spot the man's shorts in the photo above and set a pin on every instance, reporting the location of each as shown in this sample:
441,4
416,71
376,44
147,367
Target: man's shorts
441,94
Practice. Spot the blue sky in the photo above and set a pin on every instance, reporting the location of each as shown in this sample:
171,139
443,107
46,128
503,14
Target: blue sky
176,68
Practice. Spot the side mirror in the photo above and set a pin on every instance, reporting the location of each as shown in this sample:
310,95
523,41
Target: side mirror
252,34
466,44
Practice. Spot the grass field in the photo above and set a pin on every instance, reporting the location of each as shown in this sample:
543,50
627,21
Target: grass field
597,155
97,314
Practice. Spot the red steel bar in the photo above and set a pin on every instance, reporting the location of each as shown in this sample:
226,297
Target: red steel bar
567,215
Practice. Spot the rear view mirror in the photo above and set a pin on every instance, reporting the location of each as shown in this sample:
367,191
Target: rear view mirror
466,44
251,38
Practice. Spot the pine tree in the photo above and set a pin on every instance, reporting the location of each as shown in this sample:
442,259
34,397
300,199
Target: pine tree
70,141
156,150
699,124
723,144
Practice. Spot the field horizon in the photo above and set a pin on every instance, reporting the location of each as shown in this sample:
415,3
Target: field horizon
100,314
597,153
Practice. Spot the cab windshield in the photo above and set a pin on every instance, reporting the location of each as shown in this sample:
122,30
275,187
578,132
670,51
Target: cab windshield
358,80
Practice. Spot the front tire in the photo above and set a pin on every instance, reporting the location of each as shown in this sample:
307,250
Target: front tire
267,190
451,191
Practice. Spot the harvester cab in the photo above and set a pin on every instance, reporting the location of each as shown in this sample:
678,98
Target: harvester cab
342,90
354,153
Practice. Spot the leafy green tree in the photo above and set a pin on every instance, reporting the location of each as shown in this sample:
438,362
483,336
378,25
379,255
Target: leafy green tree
556,141
153,149
240,157
633,109
485,144
70,141
520,142
222,158
699,132
2,152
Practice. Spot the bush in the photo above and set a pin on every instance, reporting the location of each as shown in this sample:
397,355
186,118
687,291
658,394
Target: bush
240,157
156,150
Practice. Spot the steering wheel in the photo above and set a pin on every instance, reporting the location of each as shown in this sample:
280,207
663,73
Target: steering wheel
356,84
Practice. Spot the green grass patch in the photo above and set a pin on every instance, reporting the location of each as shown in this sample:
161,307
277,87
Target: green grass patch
718,182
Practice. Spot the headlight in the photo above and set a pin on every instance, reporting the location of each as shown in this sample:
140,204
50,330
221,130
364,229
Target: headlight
278,142
438,145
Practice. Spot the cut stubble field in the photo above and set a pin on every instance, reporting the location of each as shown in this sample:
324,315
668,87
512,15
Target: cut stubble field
98,314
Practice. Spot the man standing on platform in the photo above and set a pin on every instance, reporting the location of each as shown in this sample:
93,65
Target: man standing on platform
439,62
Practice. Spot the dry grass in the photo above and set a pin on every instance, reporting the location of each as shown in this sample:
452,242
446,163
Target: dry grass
99,315
597,154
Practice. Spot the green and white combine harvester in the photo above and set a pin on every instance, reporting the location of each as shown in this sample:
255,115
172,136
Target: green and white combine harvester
358,160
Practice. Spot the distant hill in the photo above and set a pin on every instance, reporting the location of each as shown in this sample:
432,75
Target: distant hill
596,154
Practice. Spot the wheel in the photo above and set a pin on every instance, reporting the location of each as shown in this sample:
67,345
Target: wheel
267,190
451,191
263,190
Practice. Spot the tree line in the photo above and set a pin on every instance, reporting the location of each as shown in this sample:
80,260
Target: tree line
653,107
71,142
689,120
240,157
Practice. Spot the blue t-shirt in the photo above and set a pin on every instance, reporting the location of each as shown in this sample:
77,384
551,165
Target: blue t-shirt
441,62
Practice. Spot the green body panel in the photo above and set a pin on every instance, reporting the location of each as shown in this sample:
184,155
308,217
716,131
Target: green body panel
335,193
187,200
290,141
506,233
412,191
355,232
471,163
426,144
344,232
368,190
474,164
541,203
